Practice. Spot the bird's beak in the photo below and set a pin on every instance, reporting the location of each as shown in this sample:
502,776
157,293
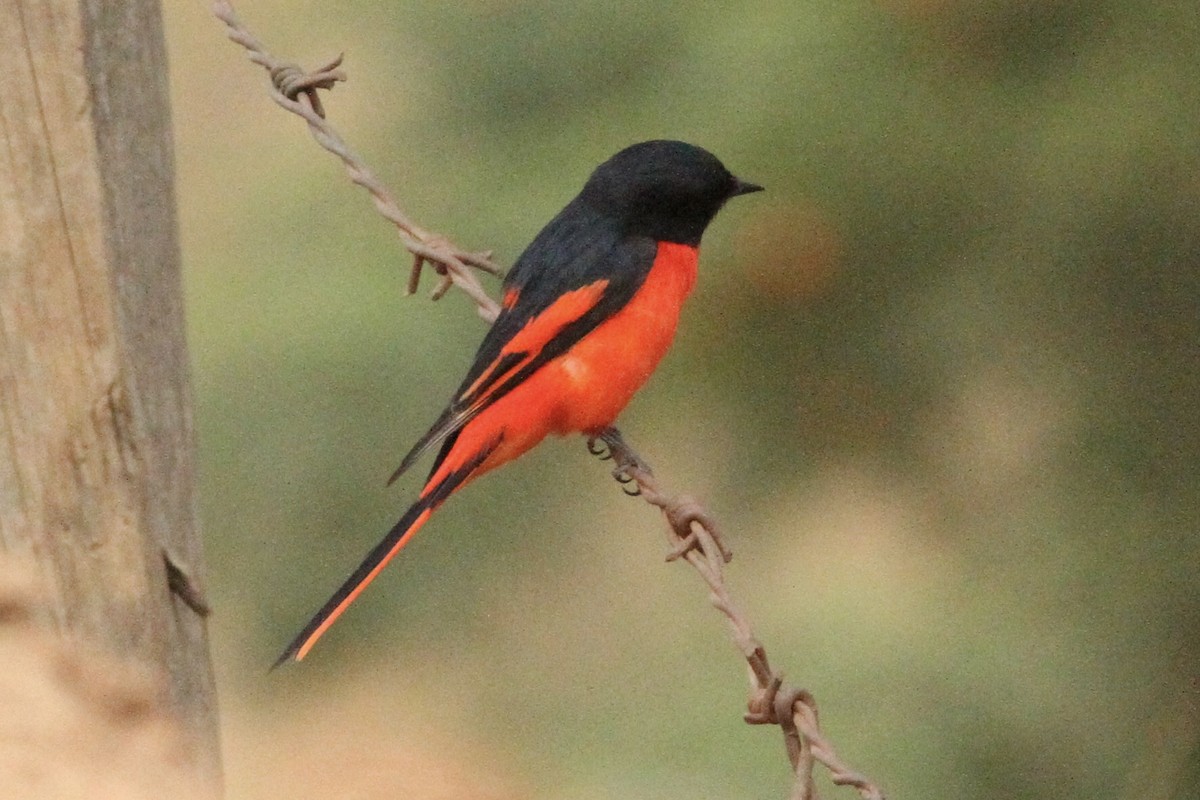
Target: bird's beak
741,187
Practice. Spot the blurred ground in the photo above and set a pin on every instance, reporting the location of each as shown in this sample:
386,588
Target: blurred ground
939,382
359,741
78,723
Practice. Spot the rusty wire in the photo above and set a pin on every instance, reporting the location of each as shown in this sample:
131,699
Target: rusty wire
288,83
692,532
694,536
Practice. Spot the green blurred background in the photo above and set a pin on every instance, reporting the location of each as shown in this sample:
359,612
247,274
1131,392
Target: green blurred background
939,382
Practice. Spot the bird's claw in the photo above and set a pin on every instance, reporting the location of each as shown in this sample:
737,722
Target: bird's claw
598,447
629,484
620,452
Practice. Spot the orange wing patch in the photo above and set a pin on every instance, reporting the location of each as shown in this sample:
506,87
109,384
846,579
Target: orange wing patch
562,312
530,340
510,297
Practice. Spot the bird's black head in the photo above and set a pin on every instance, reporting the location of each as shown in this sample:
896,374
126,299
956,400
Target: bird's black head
667,190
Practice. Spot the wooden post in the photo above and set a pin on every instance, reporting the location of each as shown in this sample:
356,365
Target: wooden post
96,443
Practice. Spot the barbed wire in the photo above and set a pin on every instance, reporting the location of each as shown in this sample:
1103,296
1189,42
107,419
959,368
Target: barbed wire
288,82
694,536
692,532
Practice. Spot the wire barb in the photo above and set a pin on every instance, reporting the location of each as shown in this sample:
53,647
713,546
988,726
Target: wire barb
291,81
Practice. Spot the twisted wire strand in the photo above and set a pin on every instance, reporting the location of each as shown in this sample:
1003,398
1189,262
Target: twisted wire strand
692,532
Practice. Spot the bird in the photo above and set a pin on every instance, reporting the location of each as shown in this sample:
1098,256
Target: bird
587,312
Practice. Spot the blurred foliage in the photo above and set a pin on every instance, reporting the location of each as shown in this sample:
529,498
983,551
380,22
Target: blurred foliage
940,382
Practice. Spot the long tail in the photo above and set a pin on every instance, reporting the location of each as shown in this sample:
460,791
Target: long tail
432,497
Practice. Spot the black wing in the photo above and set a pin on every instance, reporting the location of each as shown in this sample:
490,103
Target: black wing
576,249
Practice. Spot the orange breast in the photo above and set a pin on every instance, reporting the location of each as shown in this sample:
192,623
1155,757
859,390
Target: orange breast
605,369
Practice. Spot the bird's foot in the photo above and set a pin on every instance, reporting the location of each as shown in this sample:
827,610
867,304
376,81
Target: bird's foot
609,444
